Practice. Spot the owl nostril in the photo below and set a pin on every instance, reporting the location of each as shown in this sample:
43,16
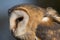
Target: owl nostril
19,19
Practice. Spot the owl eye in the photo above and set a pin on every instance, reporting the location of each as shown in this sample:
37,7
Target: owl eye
19,19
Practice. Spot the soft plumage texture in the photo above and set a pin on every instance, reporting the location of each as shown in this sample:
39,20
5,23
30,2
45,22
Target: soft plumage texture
36,16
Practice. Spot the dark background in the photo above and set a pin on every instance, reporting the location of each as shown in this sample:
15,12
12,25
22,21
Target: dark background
6,4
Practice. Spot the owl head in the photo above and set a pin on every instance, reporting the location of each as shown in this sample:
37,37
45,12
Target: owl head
24,20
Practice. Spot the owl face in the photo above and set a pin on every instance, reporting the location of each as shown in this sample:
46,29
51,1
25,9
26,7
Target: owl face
18,22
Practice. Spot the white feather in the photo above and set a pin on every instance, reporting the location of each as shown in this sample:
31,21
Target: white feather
21,25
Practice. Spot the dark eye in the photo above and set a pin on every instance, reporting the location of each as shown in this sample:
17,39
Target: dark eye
19,19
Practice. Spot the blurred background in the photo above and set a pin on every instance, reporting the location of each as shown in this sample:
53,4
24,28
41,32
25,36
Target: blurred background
6,4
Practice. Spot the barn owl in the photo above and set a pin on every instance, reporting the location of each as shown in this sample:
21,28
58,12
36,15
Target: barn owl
24,20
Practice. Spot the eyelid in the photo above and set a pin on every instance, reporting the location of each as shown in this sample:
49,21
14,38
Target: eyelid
19,19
